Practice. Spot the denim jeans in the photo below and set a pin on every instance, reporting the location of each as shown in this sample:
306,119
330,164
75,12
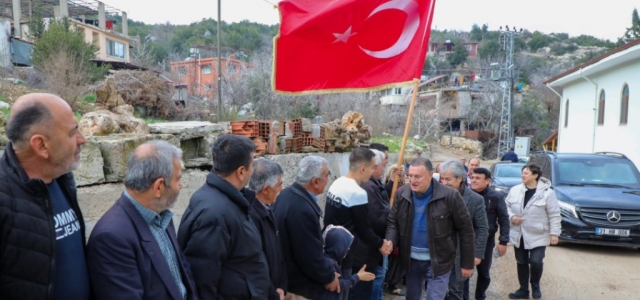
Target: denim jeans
421,271
378,283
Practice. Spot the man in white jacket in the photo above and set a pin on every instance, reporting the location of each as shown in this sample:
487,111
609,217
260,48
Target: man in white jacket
535,223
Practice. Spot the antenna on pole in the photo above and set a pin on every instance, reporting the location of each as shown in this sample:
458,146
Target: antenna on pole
506,137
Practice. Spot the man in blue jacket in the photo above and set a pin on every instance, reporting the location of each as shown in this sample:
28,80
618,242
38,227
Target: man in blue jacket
510,156
132,251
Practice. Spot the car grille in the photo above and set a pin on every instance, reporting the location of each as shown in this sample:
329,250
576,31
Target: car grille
598,217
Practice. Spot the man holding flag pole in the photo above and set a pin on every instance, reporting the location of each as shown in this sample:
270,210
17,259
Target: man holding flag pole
340,46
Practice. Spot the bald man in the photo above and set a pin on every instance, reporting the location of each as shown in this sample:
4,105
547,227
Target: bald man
42,233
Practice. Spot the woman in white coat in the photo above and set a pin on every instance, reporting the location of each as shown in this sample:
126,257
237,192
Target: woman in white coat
535,223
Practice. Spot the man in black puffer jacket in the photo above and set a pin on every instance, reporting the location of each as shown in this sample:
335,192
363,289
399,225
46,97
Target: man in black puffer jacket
42,233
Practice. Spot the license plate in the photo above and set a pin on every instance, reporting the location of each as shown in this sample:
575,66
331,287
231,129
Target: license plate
609,231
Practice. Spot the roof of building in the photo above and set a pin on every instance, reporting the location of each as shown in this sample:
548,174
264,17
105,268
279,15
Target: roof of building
614,57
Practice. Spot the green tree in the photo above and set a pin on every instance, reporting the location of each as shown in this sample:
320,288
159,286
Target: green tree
633,32
538,40
489,50
36,24
459,55
62,55
476,33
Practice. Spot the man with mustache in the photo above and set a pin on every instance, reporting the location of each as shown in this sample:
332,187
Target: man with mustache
133,252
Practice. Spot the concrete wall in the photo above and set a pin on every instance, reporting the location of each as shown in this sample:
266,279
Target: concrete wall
578,136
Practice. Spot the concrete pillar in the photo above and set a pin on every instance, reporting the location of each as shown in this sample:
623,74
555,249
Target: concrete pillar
125,25
102,19
17,15
64,9
56,12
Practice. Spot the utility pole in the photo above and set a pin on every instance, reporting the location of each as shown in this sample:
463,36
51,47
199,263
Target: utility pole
219,69
506,134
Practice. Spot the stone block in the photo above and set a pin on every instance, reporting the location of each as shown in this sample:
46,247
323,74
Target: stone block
195,138
116,149
91,170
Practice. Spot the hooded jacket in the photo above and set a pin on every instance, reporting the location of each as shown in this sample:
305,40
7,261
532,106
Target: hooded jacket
337,241
540,218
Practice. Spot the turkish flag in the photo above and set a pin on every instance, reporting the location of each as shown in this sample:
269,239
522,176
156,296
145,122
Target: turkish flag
350,45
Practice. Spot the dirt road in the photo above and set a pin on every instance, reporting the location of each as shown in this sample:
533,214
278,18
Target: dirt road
572,272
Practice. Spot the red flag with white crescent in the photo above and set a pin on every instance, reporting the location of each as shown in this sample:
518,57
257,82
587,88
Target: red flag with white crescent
350,45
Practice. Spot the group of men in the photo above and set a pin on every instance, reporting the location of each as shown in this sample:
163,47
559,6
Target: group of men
242,236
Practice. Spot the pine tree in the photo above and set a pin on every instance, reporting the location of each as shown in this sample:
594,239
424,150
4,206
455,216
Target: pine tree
633,32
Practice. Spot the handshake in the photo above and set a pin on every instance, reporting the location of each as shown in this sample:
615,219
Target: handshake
387,247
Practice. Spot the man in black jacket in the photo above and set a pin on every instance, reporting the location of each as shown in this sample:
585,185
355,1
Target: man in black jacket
424,221
378,208
219,239
40,220
266,182
496,215
298,218
347,206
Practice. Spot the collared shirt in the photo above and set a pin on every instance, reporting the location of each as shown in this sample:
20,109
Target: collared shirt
158,225
314,197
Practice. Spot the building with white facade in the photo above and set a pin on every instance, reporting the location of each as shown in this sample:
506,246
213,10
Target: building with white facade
600,104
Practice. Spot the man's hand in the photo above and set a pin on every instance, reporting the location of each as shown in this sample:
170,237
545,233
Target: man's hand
502,249
466,273
281,293
387,247
477,261
334,286
515,220
554,240
398,171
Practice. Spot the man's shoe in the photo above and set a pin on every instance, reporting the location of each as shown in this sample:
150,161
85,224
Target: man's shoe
535,291
519,294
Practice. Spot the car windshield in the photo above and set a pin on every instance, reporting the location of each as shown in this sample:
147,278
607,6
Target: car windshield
602,172
510,170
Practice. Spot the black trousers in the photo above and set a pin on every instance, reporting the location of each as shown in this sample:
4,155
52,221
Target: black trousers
484,268
529,265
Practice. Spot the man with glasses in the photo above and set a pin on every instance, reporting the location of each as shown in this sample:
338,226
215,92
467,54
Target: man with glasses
424,222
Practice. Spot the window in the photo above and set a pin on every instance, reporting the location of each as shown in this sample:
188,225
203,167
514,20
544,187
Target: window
566,113
601,108
468,47
115,49
182,71
624,105
207,87
397,91
206,69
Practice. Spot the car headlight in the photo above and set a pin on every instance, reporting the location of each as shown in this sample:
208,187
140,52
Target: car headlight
568,209
502,189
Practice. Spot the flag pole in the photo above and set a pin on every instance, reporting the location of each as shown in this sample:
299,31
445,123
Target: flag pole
407,128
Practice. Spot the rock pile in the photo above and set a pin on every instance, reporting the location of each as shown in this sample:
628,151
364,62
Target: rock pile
112,115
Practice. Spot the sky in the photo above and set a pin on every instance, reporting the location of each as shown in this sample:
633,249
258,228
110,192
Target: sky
602,19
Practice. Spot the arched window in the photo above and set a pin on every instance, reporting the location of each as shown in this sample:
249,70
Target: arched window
601,108
624,105
566,113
